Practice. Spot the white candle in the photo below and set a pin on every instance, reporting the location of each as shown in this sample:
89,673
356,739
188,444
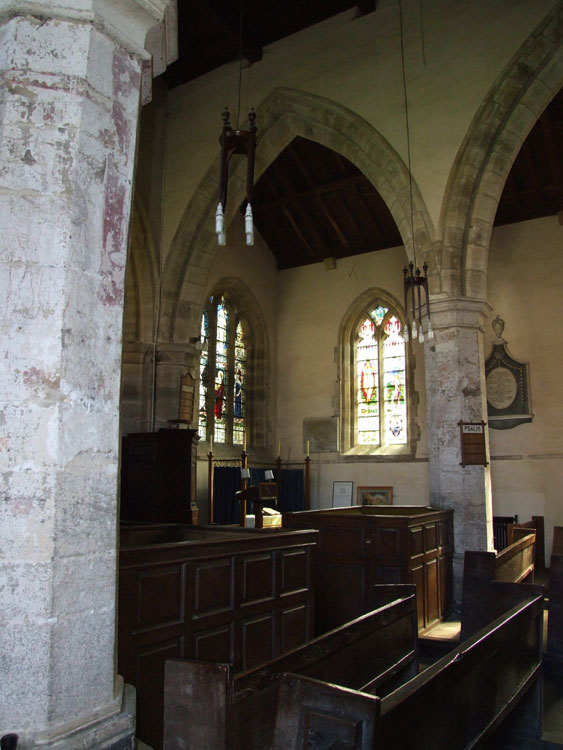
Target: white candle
244,443
279,448
307,449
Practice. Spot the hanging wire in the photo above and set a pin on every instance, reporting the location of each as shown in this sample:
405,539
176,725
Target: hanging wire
239,61
407,129
422,42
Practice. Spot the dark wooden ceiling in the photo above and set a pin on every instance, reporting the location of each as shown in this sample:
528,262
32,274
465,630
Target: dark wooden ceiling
212,33
311,203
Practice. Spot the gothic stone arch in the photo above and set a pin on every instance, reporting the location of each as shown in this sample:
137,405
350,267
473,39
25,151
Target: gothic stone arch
286,113
504,119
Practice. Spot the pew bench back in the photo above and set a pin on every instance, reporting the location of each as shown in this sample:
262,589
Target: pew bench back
496,669
513,564
208,705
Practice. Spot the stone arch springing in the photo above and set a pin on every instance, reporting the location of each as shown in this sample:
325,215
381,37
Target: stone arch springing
285,114
495,136
141,279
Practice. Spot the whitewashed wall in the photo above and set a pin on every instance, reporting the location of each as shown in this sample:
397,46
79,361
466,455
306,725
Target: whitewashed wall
525,283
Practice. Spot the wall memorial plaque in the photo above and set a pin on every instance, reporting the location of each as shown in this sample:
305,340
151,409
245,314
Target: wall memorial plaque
508,387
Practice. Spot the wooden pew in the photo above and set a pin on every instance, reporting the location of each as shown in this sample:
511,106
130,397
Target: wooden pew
208,705
554,653
516,531
456,703
555,619
514,564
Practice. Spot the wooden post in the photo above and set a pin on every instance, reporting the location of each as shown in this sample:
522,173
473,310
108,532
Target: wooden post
210,488
243,486
307,483
278,477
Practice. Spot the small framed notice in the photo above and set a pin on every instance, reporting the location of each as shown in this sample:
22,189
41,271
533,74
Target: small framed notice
473,451
342,494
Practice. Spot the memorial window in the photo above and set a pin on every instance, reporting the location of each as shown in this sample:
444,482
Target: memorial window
223,373
378,403
381,392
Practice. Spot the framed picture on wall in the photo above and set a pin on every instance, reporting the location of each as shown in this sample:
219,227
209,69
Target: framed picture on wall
342,494
375,495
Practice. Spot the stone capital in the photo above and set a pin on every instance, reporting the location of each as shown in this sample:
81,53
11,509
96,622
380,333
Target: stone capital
146,28
181,355
458,312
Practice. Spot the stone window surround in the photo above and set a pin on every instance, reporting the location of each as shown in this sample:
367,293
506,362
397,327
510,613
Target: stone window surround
346,382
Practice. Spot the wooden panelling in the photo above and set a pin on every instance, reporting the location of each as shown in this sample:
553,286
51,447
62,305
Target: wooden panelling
419,580
295,570
224,595
348,582
258,640
350,545
388,541
165,586
430,536
362,546
213,586
149,679
294,626
417,541
214,644
258,579
432,598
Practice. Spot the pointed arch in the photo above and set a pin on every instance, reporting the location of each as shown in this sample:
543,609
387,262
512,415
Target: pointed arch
495,136
258,352
347,343
286,113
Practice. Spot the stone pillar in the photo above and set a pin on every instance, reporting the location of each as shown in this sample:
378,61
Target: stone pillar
173,361
71,88
455,387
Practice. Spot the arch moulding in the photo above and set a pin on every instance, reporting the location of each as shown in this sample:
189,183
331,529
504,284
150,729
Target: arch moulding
285,114
495,136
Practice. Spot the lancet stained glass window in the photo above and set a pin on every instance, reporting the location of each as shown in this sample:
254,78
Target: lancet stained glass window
380,364
222,374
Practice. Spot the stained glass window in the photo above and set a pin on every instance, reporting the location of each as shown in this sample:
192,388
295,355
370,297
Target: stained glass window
223,374
380,365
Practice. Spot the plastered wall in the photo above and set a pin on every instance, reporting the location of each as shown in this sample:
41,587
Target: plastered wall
454,53
451,61
525,283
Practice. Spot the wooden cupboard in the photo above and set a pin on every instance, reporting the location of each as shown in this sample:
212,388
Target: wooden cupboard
364,545
158,476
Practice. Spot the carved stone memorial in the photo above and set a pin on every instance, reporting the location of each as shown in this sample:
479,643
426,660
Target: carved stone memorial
508,386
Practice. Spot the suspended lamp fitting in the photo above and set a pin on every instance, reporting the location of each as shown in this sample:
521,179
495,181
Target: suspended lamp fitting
414,283
236,142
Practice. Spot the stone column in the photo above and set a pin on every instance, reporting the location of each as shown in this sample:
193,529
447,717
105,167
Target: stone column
455,387
71,89
172,363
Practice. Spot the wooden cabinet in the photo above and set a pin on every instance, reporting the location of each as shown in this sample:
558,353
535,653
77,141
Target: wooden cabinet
363,545
226,595
158,476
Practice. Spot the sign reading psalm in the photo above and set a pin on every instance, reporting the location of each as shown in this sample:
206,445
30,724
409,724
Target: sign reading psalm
473,452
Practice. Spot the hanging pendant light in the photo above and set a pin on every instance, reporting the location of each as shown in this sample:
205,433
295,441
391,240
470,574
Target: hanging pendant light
235,141
414,281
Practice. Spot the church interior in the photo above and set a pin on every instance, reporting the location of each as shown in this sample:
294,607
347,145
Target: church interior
179,325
